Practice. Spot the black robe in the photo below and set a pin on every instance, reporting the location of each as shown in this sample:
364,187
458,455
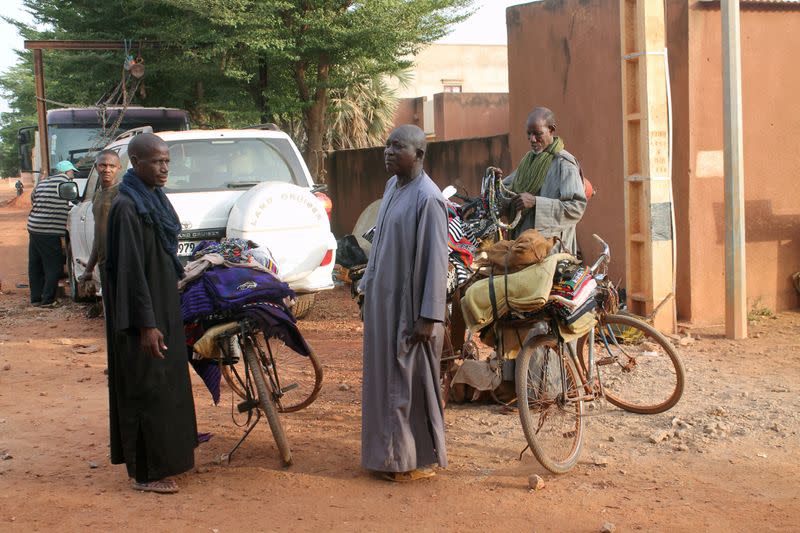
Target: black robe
150,400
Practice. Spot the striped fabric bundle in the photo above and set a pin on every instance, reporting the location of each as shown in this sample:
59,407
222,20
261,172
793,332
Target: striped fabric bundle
462,249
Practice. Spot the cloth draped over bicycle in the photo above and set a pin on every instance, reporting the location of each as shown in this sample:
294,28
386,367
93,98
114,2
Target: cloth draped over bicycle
227,281
560,202
402,419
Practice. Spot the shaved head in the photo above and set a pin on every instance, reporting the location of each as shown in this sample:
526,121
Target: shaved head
411,134
150,159
405,150
144,145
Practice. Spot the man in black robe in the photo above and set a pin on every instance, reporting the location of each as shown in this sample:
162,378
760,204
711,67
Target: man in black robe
153,427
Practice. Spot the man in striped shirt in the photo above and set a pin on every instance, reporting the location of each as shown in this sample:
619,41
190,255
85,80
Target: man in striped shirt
47,223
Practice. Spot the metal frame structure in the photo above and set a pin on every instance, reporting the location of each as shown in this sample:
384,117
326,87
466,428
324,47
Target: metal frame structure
38,72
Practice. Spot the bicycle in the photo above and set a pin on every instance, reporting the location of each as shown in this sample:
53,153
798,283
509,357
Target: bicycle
553,384
252,372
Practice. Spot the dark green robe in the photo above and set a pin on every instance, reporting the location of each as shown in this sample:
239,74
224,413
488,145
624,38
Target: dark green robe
153,427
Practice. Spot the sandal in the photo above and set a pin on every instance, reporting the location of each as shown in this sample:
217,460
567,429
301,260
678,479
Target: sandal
163,486
412,475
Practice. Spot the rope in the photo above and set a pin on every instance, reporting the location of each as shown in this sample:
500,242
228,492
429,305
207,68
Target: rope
496,188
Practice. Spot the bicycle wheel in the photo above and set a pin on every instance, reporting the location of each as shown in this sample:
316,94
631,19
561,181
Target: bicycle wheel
267,401
299,377
548,392
639,369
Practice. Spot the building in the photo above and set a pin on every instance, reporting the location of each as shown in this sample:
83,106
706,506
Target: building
456,91
565,54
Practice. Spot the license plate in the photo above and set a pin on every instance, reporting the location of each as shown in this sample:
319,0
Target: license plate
186,248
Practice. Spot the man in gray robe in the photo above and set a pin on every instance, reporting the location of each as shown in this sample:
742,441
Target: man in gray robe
549,187
404,288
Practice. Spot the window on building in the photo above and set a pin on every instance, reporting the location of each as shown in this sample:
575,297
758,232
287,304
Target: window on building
452,87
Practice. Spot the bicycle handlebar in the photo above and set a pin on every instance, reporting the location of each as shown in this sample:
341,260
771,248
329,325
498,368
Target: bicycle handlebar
605,256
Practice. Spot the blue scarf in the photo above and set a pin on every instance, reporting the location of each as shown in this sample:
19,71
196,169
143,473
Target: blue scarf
154,208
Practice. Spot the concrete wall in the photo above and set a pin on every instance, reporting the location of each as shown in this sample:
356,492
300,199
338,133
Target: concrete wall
478,68
770,85
464,115
409,111
565,54
356,178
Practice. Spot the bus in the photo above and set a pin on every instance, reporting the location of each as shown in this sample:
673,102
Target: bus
77,134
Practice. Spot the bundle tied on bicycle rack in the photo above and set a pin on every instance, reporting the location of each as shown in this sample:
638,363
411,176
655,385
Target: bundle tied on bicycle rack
525,291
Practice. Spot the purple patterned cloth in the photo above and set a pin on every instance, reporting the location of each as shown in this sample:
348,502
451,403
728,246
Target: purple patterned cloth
210,373
224,289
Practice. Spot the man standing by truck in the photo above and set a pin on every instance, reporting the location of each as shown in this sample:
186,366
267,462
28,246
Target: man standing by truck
108,166
152,417
47,224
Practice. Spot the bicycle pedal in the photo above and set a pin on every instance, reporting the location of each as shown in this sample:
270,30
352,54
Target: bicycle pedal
287,388
247,405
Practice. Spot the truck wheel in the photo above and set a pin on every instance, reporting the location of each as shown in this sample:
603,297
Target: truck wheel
304,304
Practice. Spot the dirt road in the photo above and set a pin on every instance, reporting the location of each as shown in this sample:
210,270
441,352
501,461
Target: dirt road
730,462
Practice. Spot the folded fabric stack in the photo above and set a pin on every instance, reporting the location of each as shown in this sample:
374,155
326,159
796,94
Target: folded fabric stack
225,289
572,298
525,291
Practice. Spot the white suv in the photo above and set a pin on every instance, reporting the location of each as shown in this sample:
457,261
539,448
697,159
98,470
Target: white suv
251,184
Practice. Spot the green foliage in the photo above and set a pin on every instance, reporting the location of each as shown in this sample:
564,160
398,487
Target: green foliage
301,63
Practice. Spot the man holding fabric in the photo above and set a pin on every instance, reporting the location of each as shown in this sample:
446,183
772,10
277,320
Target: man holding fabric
548,183
405,291
153,428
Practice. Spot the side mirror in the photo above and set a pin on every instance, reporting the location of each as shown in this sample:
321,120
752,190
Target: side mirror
68,191
448,192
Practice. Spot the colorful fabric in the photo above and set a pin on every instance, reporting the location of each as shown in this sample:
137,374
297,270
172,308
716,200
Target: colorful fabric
237,251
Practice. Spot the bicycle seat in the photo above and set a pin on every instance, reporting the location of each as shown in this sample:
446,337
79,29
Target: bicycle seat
207,346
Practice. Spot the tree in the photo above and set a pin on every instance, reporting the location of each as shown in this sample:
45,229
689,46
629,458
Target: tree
361,114
237,62
321,45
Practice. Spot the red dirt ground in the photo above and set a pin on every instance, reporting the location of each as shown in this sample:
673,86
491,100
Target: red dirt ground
735,468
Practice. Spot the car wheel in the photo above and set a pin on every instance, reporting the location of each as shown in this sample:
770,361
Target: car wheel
304,304
77,291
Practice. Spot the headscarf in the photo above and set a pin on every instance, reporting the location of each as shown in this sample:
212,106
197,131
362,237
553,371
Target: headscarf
155,209
533,168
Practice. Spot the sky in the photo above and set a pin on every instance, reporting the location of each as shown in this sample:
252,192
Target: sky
486,26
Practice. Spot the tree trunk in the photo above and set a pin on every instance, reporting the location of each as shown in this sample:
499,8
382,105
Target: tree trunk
263,82
314,118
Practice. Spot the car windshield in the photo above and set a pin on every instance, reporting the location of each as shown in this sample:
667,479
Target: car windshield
229,164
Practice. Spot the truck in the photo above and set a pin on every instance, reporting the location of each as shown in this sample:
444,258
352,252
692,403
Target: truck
77,134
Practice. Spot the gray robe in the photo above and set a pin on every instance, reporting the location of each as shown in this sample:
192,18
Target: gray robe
559,205
406,277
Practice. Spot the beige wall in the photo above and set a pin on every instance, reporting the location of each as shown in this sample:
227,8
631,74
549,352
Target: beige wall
481,69
468,115
565,54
